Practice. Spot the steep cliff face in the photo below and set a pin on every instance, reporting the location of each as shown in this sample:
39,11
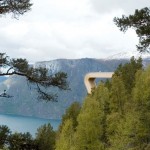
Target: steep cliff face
24,100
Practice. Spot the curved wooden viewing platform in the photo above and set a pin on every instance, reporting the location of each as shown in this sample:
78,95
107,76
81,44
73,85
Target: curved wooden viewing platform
89,79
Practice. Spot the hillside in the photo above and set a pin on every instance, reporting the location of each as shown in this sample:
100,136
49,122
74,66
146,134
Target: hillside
24,100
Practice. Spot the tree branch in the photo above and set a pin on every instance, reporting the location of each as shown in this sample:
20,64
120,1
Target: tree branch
38,76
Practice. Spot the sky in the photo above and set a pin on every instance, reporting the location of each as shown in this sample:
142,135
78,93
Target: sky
69,29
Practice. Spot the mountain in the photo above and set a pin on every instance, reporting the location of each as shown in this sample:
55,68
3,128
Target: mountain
3,78
24,100
128,55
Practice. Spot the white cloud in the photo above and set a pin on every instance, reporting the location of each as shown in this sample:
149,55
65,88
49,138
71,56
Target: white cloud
128,6
68,29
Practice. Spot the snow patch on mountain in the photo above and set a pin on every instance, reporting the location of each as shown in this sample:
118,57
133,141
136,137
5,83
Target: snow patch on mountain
128,55
53,65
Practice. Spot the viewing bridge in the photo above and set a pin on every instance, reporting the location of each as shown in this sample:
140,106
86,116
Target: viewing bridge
89,79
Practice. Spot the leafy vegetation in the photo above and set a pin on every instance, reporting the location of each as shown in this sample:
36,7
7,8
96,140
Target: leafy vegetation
140,22
39,76
35,75
44,139
111,118
115,116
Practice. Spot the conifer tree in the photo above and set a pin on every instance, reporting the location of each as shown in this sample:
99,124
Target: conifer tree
45,137
121,131
16,7
127,72
21,141
71,113
118,99
66,137
132,130
4,134
101,94
118,95
141,99
38,76
140,22
91,129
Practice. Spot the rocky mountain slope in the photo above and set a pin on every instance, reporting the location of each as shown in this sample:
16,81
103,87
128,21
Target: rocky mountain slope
24,100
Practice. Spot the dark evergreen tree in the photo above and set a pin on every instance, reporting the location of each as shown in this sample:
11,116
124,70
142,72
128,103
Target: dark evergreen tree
45,137
71,113
4,134
21,141
140,22
127,72
16,7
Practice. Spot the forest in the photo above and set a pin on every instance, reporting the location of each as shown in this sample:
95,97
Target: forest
116,116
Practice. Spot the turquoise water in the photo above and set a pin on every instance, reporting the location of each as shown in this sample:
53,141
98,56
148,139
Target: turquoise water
26,124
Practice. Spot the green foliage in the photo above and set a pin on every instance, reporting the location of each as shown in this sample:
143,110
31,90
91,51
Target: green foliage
141,98
101,94
38,76
4,134
91,129
71,113
140,22
118,95
45,137
21,141
121,131
44,140
66,138
127,72
16,141
65,134
20,65
116,116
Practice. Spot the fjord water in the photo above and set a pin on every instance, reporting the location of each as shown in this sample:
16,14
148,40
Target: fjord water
26,124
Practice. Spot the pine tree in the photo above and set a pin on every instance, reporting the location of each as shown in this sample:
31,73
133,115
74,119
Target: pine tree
21,141
16,7
127,72
38,76
71,113
140,22
4,134
45,137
